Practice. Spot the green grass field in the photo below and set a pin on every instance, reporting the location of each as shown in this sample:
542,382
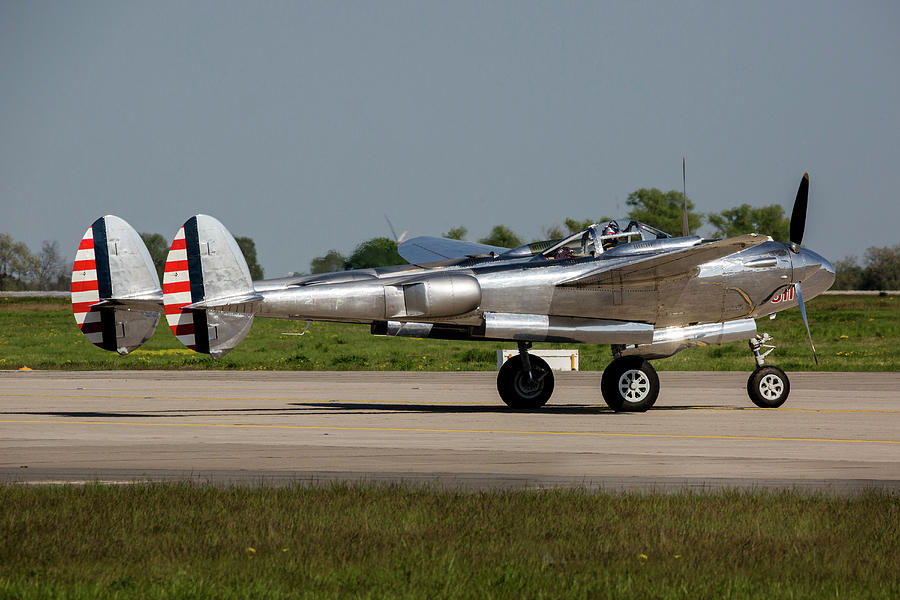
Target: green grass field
185,541
852,333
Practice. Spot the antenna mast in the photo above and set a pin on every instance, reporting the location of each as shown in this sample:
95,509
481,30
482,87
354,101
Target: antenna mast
685,231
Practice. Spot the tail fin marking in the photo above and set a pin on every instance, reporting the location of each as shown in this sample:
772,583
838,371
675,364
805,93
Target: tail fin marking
183,285
86,290
90,282
111,240
198,308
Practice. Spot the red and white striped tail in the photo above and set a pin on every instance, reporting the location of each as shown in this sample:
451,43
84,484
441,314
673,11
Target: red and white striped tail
117,300
115,313
177,292
205,264
85,290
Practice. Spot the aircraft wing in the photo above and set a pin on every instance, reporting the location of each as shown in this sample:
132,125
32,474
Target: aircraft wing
428,249
665,266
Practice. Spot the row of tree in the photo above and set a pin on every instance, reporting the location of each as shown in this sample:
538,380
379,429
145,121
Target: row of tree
22,270
880,269
159,250
650,205
49,270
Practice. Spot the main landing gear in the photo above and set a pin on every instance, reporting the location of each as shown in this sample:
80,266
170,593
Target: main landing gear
768,386
629,383
525,382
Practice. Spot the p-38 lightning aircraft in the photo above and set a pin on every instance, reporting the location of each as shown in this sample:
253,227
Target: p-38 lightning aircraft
624,283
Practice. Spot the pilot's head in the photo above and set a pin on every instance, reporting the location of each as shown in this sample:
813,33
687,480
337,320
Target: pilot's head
611,228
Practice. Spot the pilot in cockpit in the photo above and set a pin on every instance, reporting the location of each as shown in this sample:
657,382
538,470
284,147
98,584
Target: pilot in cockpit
611,228
564,253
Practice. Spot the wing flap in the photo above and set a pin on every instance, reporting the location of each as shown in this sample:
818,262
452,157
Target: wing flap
428,249
666,266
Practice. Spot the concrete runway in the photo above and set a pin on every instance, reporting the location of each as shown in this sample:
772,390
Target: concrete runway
838,432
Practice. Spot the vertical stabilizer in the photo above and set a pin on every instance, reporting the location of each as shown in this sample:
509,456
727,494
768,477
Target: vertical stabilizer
116,296
205,264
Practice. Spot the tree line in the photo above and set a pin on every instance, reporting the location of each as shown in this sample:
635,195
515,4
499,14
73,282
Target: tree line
49,270
22,270
663,210
880,269
159,250
650,205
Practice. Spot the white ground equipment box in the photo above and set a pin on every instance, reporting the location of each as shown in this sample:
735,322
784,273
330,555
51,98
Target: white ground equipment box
559,360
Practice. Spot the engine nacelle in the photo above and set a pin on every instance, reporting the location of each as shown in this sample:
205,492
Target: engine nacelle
367,300
440,295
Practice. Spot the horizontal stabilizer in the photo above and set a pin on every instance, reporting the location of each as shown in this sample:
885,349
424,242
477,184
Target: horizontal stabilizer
226,302
149,302
428,249
665,266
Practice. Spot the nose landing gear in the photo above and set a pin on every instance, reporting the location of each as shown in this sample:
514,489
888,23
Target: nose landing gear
768,386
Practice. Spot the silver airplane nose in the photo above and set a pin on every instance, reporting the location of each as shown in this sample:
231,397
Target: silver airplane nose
813,270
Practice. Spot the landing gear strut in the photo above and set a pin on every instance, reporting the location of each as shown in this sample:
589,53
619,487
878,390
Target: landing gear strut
768,386
525,381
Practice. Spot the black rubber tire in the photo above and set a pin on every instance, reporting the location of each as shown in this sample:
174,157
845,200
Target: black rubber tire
516,392
768,387
639,380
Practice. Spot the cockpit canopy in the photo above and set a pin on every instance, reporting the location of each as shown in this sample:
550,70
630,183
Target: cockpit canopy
600,237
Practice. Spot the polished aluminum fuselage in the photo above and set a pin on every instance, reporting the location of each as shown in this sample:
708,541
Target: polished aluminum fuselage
490,297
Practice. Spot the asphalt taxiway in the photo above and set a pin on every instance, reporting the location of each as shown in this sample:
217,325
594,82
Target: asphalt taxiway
838,432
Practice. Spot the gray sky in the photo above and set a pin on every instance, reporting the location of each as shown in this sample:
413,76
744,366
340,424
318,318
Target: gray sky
300,124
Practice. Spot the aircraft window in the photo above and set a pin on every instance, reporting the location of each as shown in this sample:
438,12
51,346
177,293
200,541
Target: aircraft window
636,228
651,233
615,232
577,245
584,243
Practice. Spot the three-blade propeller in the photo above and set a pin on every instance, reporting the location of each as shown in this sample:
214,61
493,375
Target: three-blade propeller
798,225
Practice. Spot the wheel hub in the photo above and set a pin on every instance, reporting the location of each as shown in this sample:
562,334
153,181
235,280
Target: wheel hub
771,387
634,385
529,387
